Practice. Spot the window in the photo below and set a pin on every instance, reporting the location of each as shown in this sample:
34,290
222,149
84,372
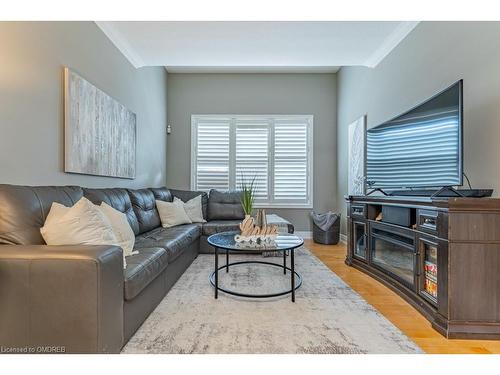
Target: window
276,150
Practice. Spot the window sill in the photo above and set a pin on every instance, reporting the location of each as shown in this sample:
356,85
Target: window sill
284,205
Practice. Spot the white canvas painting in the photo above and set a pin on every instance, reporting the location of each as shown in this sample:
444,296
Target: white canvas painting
357,152
99,132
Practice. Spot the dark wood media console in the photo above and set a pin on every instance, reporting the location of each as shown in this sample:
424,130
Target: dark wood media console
444,260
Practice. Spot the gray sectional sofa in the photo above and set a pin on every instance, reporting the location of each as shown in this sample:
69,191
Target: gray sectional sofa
79,298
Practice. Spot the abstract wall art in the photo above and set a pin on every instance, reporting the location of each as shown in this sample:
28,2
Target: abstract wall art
99,132
357,152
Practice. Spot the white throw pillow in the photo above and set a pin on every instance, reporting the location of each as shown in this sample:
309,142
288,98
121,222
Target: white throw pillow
82,224
57,210
172,214
193,209
121,228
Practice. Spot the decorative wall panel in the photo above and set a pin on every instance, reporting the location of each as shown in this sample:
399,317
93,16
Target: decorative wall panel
100,133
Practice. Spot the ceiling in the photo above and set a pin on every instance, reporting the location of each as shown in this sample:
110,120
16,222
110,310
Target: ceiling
295,47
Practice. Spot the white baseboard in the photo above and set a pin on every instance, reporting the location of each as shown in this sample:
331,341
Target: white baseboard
307,235
304,234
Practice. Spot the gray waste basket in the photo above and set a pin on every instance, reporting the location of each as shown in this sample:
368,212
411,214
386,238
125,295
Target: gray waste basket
326,228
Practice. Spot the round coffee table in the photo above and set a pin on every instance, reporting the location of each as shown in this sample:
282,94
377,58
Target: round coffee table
284,242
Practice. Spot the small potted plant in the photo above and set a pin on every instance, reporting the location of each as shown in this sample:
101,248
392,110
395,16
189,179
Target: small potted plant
250,232
247,227
247,195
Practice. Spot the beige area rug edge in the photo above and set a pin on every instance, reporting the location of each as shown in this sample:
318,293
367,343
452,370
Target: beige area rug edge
327,318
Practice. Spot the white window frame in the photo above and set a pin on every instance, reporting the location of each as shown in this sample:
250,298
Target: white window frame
309,119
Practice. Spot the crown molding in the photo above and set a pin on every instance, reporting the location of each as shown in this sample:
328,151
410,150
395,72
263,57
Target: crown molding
121,43
390,43
252,69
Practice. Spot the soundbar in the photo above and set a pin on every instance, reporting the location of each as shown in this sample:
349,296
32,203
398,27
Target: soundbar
469,193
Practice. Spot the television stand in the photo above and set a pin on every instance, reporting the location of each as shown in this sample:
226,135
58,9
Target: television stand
377,189
451,189
441,255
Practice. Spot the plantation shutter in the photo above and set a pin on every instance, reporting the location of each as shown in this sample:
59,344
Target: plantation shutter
212,154
252,155
291,161
275,150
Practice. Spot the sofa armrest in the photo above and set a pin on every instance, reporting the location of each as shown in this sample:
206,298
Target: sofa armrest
61,298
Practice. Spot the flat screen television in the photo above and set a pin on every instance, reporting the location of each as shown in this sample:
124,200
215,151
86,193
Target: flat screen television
422,148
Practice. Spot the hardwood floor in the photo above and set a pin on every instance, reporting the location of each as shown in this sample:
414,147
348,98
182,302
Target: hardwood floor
395,309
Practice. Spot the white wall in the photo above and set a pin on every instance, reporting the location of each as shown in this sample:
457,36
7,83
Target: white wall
432,57
32,57
305,94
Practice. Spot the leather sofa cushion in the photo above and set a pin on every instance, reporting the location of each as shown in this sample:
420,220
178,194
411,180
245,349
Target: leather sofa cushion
217,226
143,202
23,210
162,194
116,198
142,269
174,240
186,195
225,205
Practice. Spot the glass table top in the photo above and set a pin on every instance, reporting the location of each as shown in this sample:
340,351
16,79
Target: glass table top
283,241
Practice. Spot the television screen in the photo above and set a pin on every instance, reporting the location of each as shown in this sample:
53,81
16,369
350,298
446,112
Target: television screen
420,148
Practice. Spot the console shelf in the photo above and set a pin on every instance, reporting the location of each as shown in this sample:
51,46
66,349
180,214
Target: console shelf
441,255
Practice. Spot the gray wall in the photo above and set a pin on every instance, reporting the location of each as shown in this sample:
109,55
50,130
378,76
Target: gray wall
433,56
256,94
32,57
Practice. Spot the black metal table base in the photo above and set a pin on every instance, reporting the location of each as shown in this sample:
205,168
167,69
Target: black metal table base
295,278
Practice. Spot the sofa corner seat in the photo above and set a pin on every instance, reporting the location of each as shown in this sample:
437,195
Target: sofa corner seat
131,294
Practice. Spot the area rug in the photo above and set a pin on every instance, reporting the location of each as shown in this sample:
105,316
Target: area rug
327,317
